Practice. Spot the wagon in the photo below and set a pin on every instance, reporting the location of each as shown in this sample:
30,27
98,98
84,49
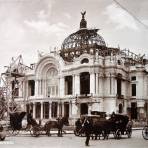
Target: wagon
117,125
15,125
35,129
95,116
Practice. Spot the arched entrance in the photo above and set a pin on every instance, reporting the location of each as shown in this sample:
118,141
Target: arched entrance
83,108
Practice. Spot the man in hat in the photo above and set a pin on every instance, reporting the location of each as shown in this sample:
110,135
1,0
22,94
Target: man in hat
87,129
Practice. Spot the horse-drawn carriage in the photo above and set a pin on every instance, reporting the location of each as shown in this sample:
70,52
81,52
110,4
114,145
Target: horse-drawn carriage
117,125
33,127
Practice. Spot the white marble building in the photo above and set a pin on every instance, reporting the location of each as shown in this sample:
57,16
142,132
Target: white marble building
83,76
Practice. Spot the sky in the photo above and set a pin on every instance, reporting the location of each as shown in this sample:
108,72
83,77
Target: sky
29,26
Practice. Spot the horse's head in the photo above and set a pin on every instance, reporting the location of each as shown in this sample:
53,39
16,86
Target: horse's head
65,121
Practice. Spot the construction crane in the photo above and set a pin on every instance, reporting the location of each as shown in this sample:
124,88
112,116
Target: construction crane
10,86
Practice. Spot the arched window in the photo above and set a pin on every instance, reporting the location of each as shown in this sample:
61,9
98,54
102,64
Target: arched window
52,82
85,60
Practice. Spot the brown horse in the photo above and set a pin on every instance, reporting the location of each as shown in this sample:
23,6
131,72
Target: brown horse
56,124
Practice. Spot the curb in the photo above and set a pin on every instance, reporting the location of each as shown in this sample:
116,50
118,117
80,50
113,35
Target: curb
137,128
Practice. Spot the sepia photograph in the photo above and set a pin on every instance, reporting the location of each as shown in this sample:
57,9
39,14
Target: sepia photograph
73,73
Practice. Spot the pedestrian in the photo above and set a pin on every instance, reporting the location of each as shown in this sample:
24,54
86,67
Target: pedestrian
87,129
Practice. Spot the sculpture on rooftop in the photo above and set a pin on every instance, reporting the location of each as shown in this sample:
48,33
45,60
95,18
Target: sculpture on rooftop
83,13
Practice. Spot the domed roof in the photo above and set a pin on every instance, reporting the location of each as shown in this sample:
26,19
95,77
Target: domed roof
78,42
83,37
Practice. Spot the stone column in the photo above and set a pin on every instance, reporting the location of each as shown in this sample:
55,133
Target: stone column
23,89
125,107
73,85
100,86
43,87
20,88
49,110
39,87
112,84
62,87
62,109
115,86
95,106
92,83
27,88
97,92
34,113
74,109
58,109
36,87
77,84
70,108
45,91
89,109
41,110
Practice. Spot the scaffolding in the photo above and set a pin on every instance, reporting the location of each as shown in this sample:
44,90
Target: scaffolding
10,86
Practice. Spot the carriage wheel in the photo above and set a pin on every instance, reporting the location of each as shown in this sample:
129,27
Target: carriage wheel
76,132
145,132
35,131
114,134
129,133
13,132
105,135
118,134
2,139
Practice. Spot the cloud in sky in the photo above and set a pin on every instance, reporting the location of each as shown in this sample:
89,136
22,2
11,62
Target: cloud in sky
12,32
41,26
67,15
120,17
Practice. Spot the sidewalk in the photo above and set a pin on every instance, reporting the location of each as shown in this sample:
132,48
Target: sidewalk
137,128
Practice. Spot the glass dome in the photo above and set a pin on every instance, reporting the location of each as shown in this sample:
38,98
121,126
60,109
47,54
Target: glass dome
83,37
82,41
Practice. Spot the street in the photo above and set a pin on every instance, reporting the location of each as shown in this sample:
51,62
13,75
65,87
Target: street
71,141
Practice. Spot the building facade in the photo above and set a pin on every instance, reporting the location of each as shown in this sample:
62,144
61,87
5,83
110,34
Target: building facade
83,76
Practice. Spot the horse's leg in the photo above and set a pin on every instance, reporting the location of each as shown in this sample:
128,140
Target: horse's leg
58,132
96,135
48,132
61,132
92,136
